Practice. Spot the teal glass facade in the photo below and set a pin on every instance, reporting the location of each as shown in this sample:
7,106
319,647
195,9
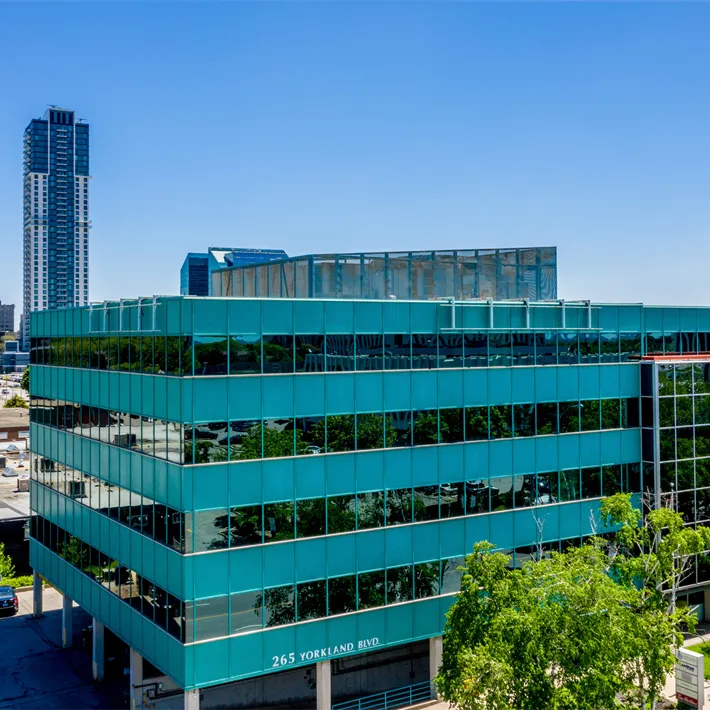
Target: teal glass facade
242,486
675,406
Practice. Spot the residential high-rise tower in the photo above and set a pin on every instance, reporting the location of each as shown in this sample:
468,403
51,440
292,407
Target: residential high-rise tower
56,213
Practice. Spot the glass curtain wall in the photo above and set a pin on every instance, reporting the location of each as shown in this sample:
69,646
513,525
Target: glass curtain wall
461,274
675,417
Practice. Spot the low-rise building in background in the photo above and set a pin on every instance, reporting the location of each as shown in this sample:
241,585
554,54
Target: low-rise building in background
13,359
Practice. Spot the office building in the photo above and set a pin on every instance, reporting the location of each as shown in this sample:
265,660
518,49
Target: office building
194,275
197,269
7,318
14,359
268,499
56,213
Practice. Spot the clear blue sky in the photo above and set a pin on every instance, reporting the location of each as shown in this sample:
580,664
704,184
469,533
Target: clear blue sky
367,126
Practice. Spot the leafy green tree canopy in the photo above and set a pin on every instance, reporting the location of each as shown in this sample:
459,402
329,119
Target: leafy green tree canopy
592,627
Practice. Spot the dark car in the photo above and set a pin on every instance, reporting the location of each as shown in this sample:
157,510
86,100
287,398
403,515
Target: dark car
8,600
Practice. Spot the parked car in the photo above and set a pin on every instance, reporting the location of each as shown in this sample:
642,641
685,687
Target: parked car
8,600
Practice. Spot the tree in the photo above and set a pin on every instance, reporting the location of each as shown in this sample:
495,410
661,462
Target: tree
341,514
245,525
74,552
426,428
500,422
544,636
477,423
374,431
579,629
310,517
369,431
278,605
371,510
15,402
201,451
7,566
653,556
451,425
25,381
341,433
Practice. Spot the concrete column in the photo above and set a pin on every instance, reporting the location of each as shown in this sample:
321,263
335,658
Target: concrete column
706,600
136,680
67,608
323,685
98,657
436,649
192,700
36,595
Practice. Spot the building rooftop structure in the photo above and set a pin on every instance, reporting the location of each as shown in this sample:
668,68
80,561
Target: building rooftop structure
420,275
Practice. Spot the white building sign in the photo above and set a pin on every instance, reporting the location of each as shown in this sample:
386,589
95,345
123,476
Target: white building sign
322,654
690,677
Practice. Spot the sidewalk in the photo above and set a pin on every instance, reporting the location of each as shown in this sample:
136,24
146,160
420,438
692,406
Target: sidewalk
51,601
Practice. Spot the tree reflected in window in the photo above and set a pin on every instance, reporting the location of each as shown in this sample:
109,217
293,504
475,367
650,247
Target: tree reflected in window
371,589
399,584
278,604
310,517
341,595
341,514
311,600
245,526
370,510
426,580
278,521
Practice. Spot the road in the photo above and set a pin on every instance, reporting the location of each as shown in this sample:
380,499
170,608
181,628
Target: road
38,674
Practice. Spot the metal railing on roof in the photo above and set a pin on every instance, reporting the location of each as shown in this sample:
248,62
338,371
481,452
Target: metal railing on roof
527,303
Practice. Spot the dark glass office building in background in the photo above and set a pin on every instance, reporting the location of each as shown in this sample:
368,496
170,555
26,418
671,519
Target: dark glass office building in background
194,275
197,269
56,213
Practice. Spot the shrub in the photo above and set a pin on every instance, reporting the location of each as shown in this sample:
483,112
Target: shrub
24,580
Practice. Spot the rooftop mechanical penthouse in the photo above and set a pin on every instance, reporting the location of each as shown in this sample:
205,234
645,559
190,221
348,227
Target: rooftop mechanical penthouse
251,489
